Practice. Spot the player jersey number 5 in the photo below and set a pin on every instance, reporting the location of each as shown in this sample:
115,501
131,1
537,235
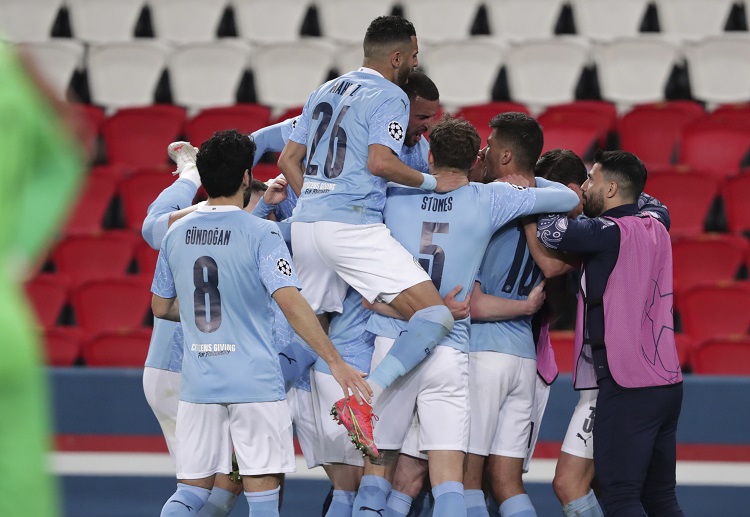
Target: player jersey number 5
427,247
334,163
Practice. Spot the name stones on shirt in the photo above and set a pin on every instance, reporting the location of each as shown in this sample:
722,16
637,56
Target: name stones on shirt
202,237
432,204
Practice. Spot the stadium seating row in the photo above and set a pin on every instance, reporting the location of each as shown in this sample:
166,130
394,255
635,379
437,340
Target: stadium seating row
538,73
345,20
727,355
110,316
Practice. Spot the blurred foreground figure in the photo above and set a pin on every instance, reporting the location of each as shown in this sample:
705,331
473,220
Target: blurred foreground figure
39,172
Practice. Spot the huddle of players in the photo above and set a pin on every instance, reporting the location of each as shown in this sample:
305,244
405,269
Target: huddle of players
474,389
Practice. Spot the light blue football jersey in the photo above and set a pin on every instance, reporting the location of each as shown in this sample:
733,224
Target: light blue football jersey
416,156
272,139
339,122
448,234
508,271
347,333
165,348
223,265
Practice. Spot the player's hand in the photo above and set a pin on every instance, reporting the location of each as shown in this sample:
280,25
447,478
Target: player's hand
536,298
516,179
459,310
449,182
351,381
277,192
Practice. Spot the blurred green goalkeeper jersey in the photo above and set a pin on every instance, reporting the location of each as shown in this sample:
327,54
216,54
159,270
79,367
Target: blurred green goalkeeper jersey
39,172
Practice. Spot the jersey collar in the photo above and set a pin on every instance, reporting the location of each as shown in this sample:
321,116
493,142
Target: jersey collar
218,208
370,71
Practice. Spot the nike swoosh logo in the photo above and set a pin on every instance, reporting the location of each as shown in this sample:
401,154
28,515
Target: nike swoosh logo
190,508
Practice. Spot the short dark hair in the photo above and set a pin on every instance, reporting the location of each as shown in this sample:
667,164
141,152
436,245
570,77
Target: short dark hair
625,169
562,166
255,186
419,85
387,31
454,143
223,160
522,134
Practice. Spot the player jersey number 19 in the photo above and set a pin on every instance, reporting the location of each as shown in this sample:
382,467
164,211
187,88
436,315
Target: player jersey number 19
206,294
334,163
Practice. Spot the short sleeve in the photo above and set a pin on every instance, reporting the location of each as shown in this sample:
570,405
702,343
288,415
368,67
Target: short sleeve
389,121
163,284
301,126
275,263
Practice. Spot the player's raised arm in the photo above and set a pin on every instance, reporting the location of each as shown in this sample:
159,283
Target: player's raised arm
306,325
290,162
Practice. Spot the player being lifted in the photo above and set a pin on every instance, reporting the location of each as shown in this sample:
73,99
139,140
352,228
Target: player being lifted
350,134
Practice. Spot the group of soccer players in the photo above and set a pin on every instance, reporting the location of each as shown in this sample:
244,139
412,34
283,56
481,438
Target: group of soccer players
403,271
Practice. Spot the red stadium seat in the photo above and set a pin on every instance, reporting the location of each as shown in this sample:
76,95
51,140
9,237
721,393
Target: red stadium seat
62,346
111,305
85,258
118,349
139,136
145,257
92,204
653,131
290,113
722,356
688,197
245,118
139,190
114,171
592,113
48,294
736,193
583,136
706,259
684,349
481,114
716,149
731,115
92,118
563,343
714,311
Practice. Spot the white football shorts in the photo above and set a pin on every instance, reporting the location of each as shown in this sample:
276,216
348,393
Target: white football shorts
438,388
579,438
162,390
541,396
329,257
502,400
259,432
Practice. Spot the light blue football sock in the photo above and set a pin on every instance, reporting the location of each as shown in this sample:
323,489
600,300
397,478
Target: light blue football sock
586,506
449,500
372,496
475,504
185,502
423,332
398,504
341,504
263,504
219,504
517,506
